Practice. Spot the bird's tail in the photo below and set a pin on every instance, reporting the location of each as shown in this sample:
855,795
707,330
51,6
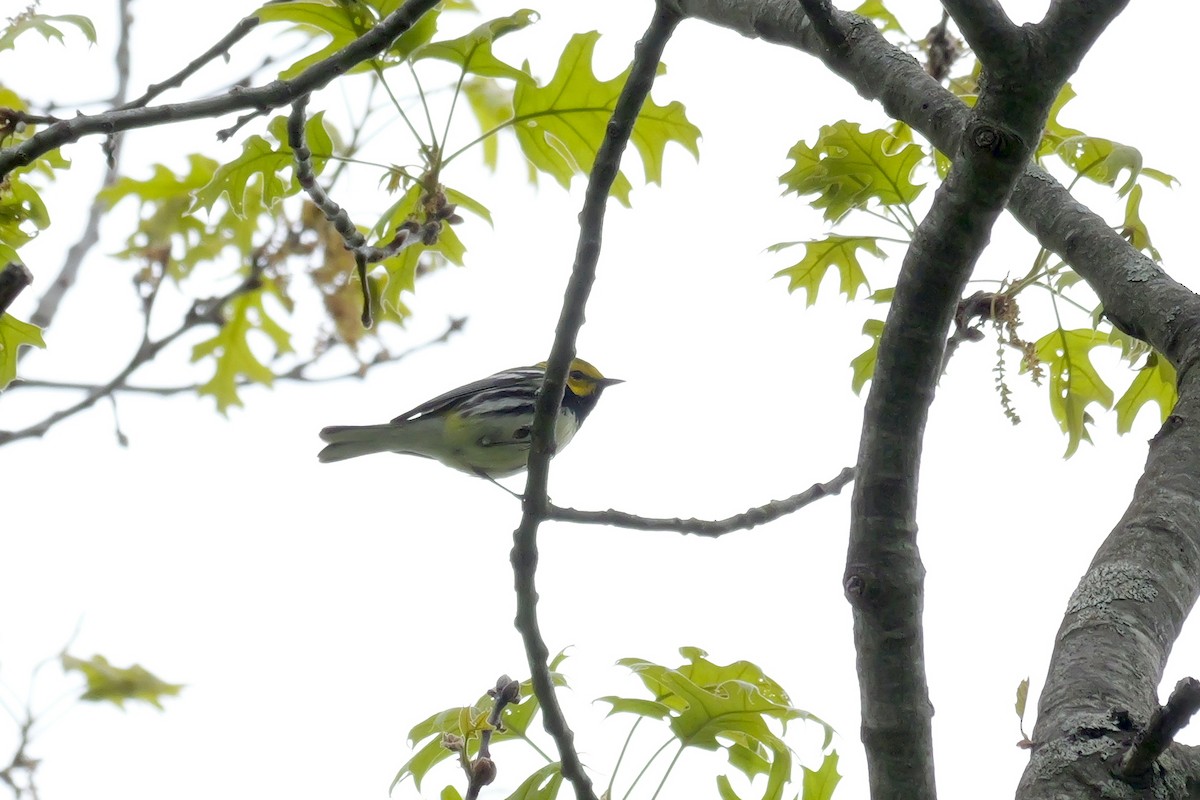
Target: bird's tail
351,441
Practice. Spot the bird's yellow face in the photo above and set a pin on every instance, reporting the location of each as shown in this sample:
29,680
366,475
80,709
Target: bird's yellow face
583,379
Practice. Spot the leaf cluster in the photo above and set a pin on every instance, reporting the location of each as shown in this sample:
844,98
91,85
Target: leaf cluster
866,182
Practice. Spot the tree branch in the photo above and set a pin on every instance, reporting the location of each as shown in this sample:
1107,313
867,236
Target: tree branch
202,312
297,373
759,515
259,99
647,55
884,579
221,48
1167,721
13,280
987,29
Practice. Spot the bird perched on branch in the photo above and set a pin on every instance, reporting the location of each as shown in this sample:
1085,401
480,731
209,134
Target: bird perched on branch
483,428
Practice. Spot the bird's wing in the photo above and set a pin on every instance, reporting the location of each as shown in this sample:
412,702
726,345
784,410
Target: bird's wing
447,401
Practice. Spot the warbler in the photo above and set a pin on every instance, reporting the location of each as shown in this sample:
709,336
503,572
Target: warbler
482,428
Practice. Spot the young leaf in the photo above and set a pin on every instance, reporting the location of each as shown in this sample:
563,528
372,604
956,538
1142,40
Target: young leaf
1074,383
106,683
231,349
560,125
491,104
342,22
832,252
43,24
729,710
473,52
819,784
1155,382
251,182
863,365
15,334
1103,160
846,168
541,785
876,10
1134,228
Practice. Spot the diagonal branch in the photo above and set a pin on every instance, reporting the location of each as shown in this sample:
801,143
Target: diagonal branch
1167,721
647,55
712,528
258,99
221,48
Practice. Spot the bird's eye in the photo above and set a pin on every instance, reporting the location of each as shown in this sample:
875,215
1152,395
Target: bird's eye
521,433
576,375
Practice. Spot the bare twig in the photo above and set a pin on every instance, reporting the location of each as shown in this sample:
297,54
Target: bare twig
13,280
296,373
647,55
713,528
203,312
1158,734
221,48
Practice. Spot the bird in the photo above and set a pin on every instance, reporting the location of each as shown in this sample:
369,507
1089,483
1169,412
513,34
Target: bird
482,428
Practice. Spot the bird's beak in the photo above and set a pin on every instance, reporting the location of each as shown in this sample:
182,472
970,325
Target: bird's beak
609,381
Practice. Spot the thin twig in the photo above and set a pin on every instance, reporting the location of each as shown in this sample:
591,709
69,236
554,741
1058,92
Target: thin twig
712,528
1168,720
296,373
202,312
647,55
47,306
272,95
221,48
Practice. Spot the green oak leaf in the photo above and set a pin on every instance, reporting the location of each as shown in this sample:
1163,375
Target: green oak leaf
541,785
230,347
876,10
820,783
15,334
1154,383
560,126
107,683
491,104
1055,133
23,214
343,23
473,52
515,721
28,21
1134,227
1103,161
821,255
251,183
863,365
166,232
726,707
847,168
1073,382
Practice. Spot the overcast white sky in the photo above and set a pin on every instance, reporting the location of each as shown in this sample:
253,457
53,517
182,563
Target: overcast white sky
317,611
